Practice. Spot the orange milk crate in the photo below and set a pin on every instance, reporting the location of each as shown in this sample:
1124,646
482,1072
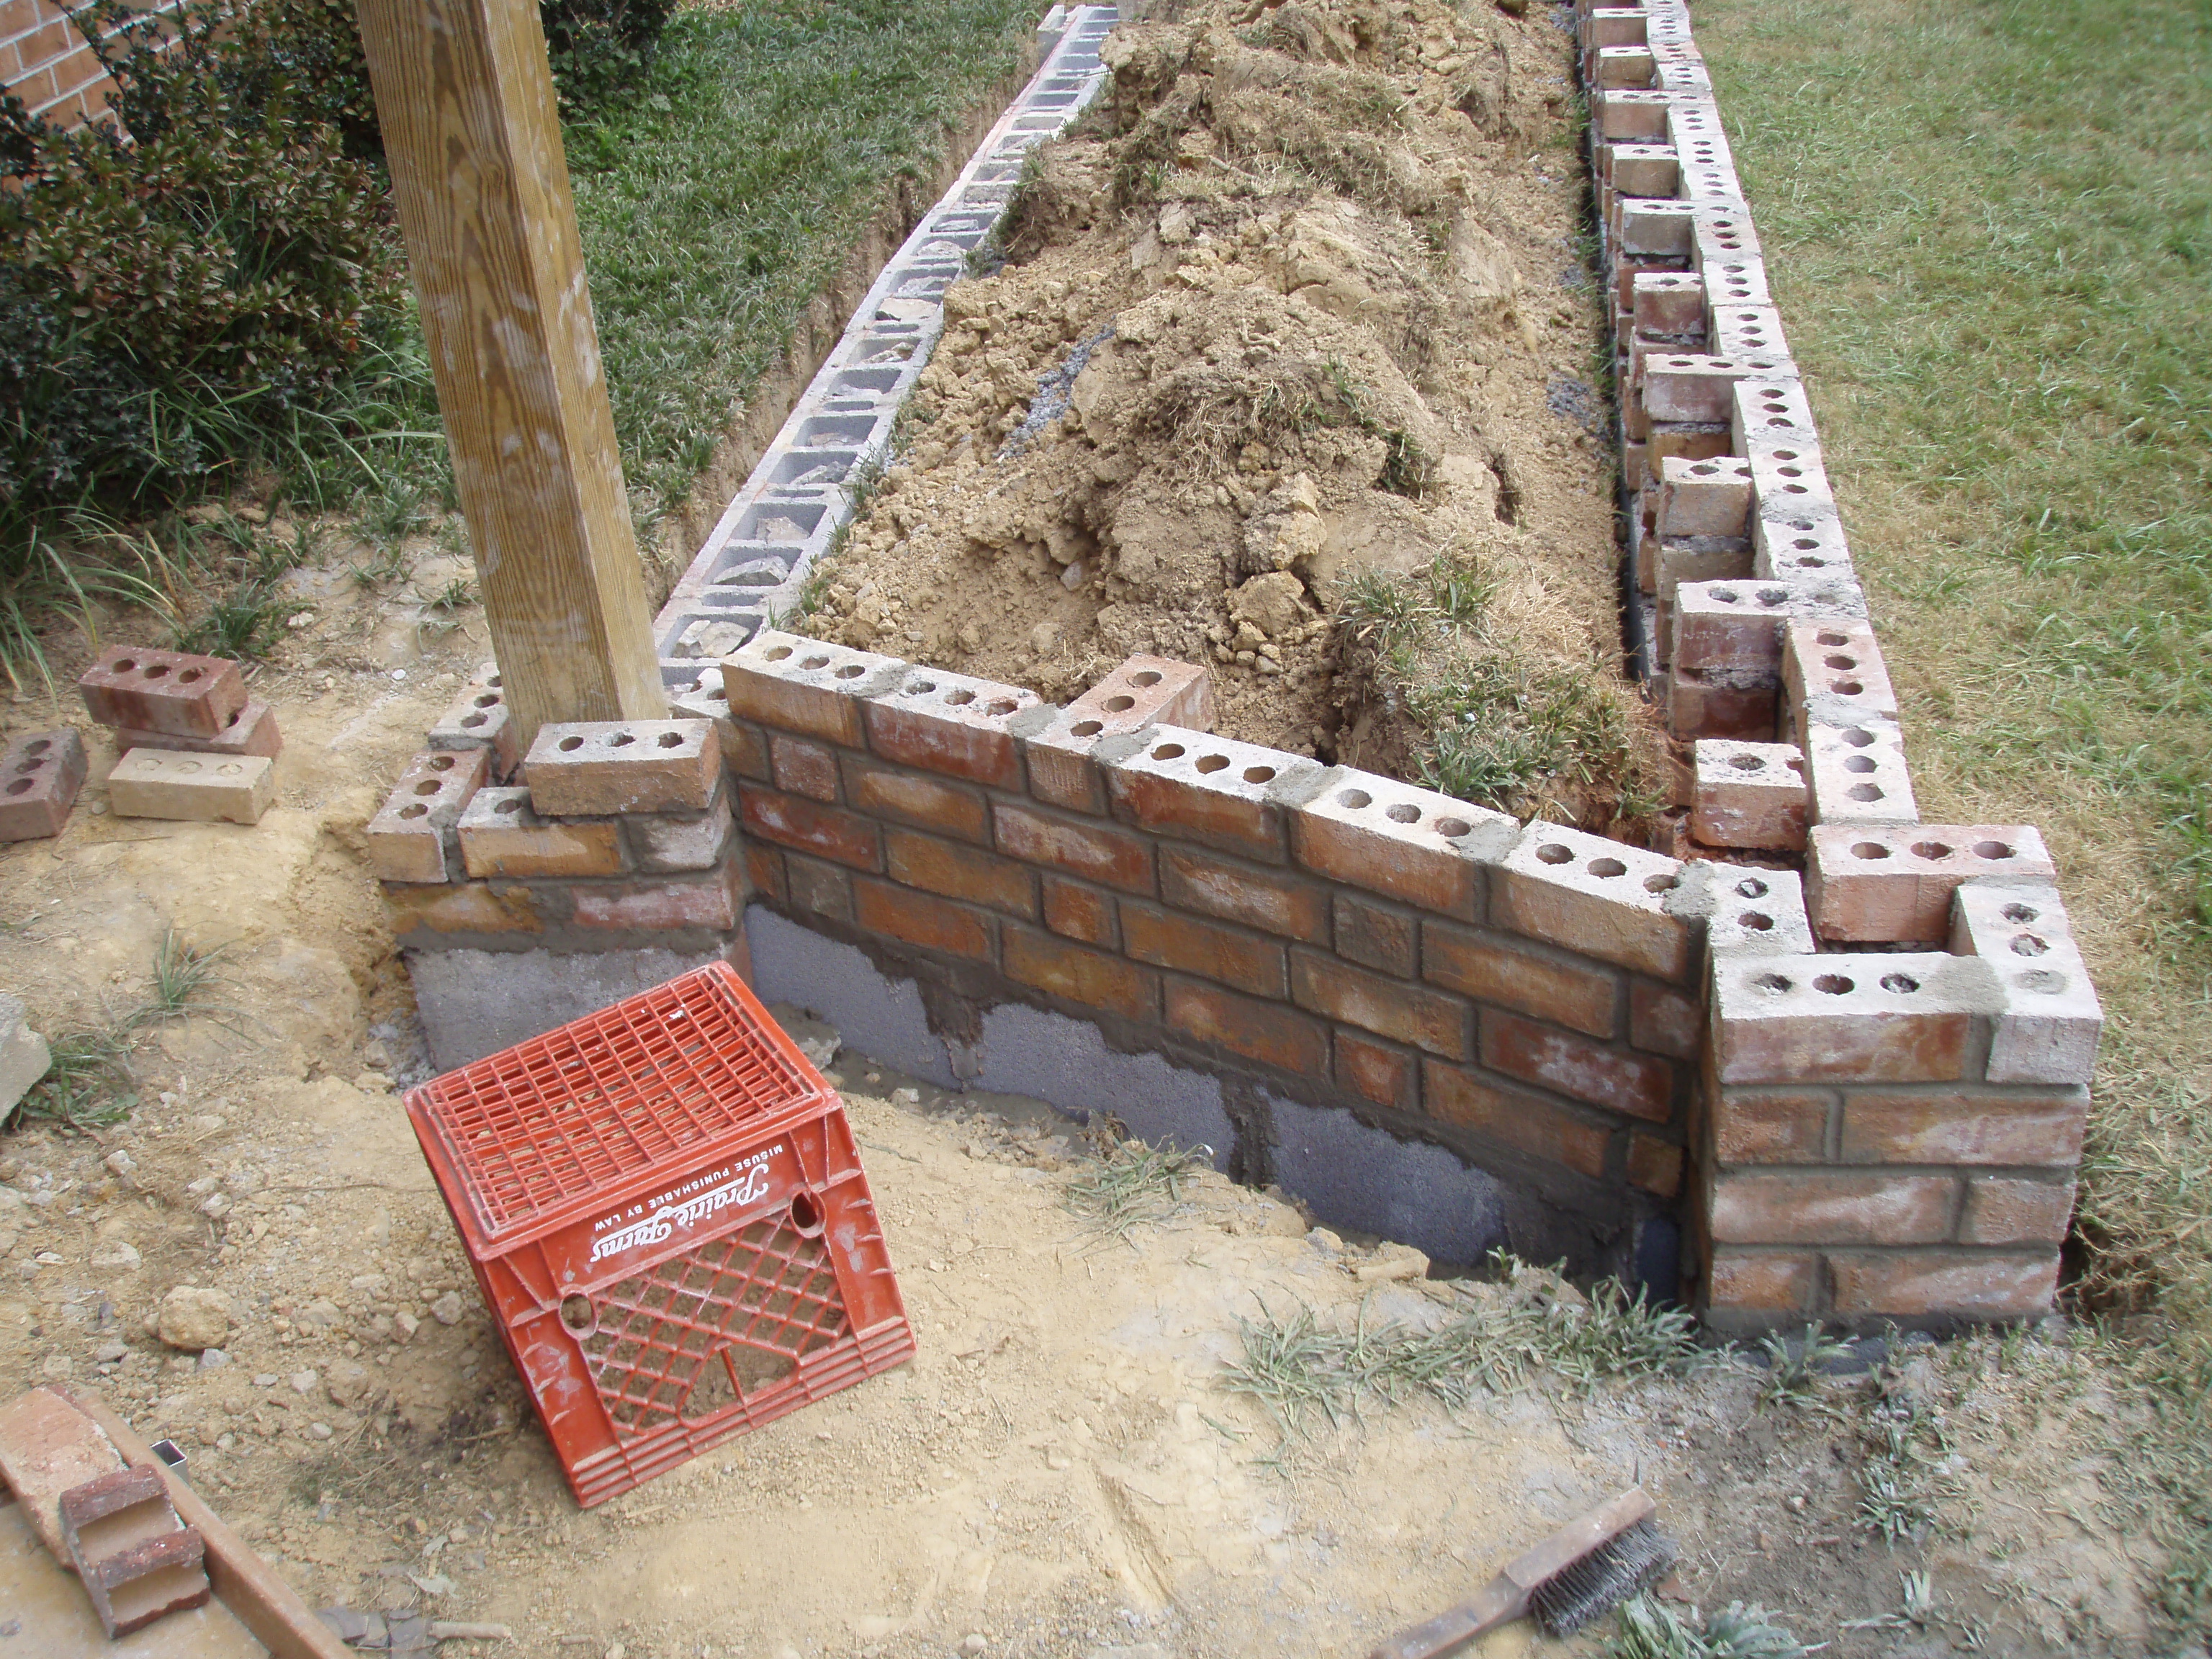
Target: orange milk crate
667,1216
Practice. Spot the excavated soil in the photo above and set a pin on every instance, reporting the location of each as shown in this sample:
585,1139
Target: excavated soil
1300,303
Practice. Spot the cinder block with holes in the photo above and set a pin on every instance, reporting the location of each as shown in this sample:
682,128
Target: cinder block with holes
499,835
1724,235
1772,407
1741,281
1810,545
1210,790
252,731
1613,26
1653,224
159,783
165,691
1759,911
1746,331
478,718
40,776
1893,884
601,769
2048,1029
1685,385
1641,170
1705,498
1789,478
1410,843
1593,897
1874,1018
413,837
949,724
137,1559
1749,794
1858,773
1731,624
1834,672
1149,691
1621,66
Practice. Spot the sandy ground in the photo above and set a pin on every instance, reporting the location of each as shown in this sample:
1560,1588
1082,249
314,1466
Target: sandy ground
1062,1471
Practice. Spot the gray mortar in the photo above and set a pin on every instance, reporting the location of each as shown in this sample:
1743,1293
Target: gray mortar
474,1003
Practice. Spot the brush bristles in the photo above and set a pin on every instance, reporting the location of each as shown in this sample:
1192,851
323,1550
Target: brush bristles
1593,1586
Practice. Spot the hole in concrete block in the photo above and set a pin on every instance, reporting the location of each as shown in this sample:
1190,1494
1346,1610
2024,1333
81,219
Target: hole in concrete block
1115,705
1747,763
1846,688
1869,849
1212,762
922,688
22,786
1727,596
1774,982
1000,706
490,700
1834,985
1259,773
1865,792
1904,984
960,698
1146,677
2026,944
2020,913
1751,887
1355,798
622,740
1991,849
1608,868
1088,728
470,722
1167,751
1838,660
1771,597
1755,921
1828,637
1933,851
1704,470
1859,763
851,670
570,745
1403,812
776,653
1553,853
1452,829
810,662
507,808
1659,884
412,810
670,740
38,748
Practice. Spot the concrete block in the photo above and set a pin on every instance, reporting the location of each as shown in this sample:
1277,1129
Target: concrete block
1834,672
1748,794
1859,774
1746,331
414,835
1054,1057
478,718
2051,1020
948,724
24,1056
1393,838
1233,796
795,684
1413,1191
1738,625
156,783
1147,691
1893,883
1879,1019
1705,498
665,843
1594,897
499,835
474,1003
602,768
252,731
166,691
40,773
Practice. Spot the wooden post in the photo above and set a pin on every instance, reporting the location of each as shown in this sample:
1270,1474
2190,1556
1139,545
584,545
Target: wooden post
464,97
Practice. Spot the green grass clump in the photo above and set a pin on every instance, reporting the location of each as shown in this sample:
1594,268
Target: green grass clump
1134,1185
1649,1629
88,1080
1989,229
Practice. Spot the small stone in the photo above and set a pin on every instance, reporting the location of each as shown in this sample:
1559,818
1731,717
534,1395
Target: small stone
108,1352
322,1311
213,1359
266,1379
1326,1242
319,1431
1392,1261
973,1641
119,1163
407,1325
193,1319
304,1382
57,1367
448,1308
116,1253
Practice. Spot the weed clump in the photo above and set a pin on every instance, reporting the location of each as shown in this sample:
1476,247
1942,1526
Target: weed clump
87,1081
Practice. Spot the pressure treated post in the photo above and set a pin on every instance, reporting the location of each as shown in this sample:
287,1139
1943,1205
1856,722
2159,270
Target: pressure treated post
465,101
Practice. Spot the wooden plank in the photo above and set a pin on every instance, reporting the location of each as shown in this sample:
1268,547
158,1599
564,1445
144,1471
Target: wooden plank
465,100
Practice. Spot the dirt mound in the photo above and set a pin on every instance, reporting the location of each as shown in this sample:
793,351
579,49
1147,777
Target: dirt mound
1281,316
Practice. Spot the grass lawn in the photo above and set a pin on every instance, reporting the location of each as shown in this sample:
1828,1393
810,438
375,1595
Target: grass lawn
738,180
1990,226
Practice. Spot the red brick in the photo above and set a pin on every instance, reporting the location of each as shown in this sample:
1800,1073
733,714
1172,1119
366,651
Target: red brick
252,731
1641,1085
795,684
745,749
931,923
811,827
1593,897
1655,1165
1831,1206
1376,937
1874,1018
1412,844
1946,1284
1723,703
1095,852
824,889
412,837
1266,899
1167,939
479,719
1075,911
1208,789
1763,1282
467,907
1406,1013
2001,1210
1076,975
949,724
1749,794
1893,882
1061,771
1541,1128
764,870
1495,970
916,797
499,836
953,870
1771,1126
803,767
1377,1071
2040,1128
39,777
1264,1031
1664,1021
600,769
706,904
168,691
1145,691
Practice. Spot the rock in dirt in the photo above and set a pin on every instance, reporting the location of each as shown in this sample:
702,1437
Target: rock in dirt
191,1318
1275,603
448,1308
1392,1262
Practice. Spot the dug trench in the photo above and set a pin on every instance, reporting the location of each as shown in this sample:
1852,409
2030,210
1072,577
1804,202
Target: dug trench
1285,366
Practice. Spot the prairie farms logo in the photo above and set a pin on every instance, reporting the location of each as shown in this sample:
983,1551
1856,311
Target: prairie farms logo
654,1220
